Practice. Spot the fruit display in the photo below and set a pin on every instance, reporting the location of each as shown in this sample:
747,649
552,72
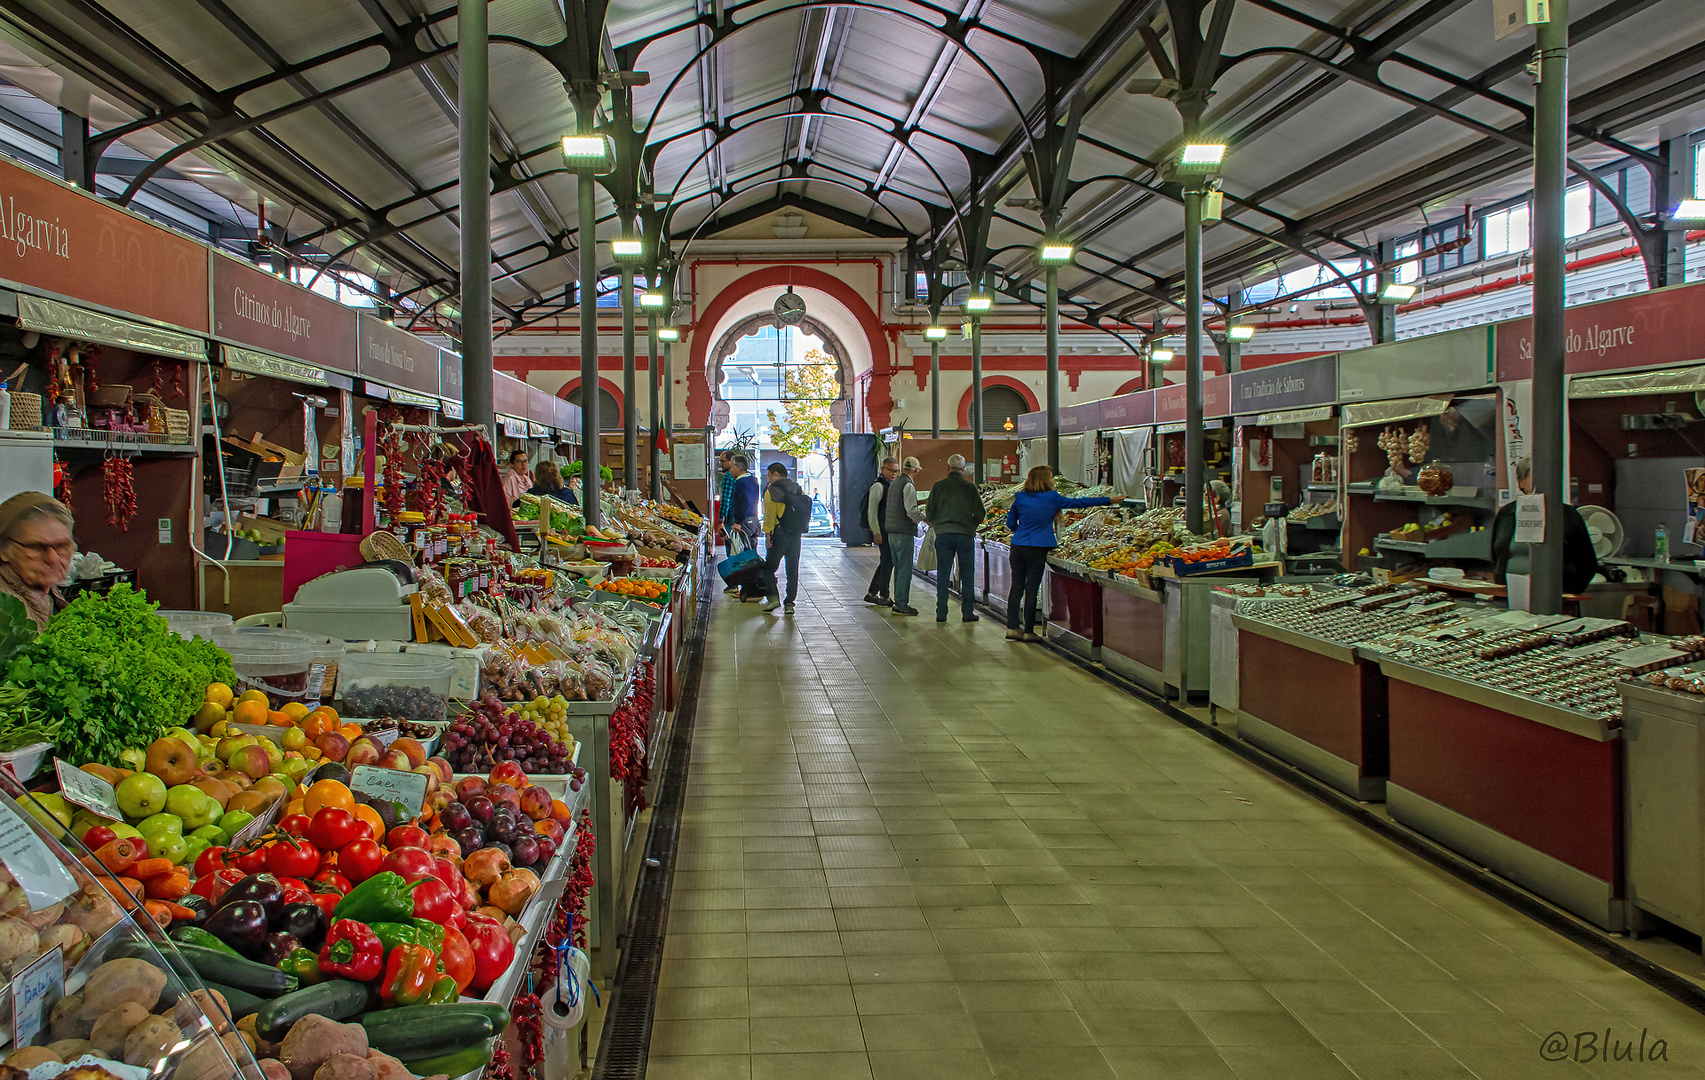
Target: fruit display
643,589
551,714
493,734
652,563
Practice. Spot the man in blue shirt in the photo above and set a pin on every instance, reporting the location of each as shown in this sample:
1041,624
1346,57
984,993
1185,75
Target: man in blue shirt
743,513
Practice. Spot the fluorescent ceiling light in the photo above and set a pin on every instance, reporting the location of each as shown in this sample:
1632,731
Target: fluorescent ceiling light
979,302
650,299
1396,292
627,248
1202,154
935,333
1056,252
585,148
1690,210
668,333
1240,333
1160,355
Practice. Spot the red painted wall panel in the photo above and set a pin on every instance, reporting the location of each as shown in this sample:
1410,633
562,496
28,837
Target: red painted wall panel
1336,706
1133,627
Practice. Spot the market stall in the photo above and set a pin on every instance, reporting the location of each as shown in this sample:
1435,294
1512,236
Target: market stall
1288,451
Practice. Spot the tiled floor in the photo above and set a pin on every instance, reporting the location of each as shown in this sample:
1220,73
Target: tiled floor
917,850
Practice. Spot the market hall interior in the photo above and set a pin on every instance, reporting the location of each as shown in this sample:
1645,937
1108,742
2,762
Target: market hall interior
912,849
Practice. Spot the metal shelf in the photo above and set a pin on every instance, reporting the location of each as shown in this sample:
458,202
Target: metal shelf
1410,495
104,444
1400,545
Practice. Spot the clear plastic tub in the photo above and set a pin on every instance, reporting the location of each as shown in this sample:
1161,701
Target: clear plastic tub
322,671
190,624
275,662
401,686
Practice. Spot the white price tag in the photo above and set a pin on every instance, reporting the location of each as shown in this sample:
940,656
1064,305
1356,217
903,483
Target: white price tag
87,791
34,992
40,874
408,788
1530,519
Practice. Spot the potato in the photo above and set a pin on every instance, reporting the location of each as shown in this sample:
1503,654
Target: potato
188,1011
118,981
344,1067
72,942
44,918
210,1058
273,1069
70,1049
314,1039
30,1056
66,1020
150,1041
386,1067
18,941
110,1031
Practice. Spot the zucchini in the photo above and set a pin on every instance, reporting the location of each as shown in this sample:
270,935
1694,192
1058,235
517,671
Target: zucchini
242,1002
211,965
336,999
427,1031
463,1061
195,935
407,1014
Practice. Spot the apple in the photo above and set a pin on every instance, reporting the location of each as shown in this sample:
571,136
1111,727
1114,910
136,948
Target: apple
213,834
412,748
446,771
333,747
141,794
52,811
550,827
503,793
396,759
508,772
273,754
166,845
295,768
431,774
232,821
294,739
164,820
134,758
230,744
208,715
536,803
438,798
363,751
469,786
192,805
251,761
189,737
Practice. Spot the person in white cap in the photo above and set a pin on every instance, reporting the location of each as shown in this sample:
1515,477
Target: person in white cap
900,525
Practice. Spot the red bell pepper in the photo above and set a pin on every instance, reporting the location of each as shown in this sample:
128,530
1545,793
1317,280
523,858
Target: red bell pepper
411,972
352,951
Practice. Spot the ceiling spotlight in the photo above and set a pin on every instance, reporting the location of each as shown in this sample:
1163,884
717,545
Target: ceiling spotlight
1202,154
585,149
668,333
935,333
979,302
651,298
1689,210
1396,293
1160,356
1240,333
1055,252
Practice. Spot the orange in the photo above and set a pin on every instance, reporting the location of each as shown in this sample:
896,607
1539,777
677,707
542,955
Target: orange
250,711
293,807
374,821
252,694
278,718
220,695
326,793
295,710
319,722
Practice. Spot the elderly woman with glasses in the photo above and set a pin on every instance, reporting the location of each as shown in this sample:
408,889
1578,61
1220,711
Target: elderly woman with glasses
35,551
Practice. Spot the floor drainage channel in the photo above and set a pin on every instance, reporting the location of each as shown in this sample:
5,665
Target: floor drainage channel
626,1039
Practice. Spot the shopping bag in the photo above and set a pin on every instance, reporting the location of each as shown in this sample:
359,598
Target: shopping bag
926,557
734,562
736,542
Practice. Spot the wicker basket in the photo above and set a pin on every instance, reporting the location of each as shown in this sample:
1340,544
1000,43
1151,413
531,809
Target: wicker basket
380,544
111,396
26,412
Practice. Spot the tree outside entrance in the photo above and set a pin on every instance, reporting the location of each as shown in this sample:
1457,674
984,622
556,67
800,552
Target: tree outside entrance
805,425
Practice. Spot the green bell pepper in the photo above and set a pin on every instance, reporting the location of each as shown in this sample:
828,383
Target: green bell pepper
443,992
429,934
304,964
392,934
384,897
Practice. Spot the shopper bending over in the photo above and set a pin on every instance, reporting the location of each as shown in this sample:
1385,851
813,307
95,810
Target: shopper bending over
1031,520
35,552
954,511
900,517
875,507
547,480
787,514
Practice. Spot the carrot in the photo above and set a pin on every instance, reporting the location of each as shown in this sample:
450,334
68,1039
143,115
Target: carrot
159,911
177,911
120,855
148,868
167,886
134,892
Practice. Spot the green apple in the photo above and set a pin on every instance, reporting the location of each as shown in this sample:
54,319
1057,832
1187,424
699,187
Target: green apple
51,810
164,821
134,758
166,845
193,847
124,831
273,754
291,770
189,737
213,834
141,794
234,820
193,806
84,820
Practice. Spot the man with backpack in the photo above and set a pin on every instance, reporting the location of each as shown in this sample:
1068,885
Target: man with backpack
787,516
875,507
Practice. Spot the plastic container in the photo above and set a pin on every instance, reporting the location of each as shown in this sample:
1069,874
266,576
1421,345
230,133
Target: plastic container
323,669
275,662
193,624
403,686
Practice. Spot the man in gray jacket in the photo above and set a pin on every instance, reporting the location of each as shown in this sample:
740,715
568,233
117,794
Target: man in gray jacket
955,510
900,519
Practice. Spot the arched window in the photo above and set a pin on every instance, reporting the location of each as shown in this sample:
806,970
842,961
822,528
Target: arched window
1001,403
609,413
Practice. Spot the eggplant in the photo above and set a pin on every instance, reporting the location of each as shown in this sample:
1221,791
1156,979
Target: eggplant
276,947
242,925
303,921
198,904
263,889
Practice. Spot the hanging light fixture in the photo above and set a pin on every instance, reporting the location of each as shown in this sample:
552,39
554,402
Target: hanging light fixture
1160,356
1396,293
1008,424
1240,332
583,150
668,333
979,302
1054,251
935,333
652,299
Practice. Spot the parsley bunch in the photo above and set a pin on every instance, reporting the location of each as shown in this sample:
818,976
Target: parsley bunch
108,674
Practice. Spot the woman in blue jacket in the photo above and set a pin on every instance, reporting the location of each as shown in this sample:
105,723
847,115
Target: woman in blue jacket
1031,520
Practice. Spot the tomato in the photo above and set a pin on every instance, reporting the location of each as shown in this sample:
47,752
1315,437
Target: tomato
434,902
406,836
294,824
296,890
210,861
251,862
98,836
332,827
213,887
331,879
493,951
458,958
297,859
412,863
327,903
360,860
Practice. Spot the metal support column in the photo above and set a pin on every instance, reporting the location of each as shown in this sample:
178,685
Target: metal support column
653,456
1550,142
1676,184
75,162
935,389
977,397
630,411
587,223
474,108
1193,465
1383,316
669,391
1053,388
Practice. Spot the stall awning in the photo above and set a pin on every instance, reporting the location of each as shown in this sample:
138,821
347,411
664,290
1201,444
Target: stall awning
277,367
1686,380
67,320
1394,411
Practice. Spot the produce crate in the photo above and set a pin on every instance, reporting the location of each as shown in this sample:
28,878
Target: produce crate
1185,569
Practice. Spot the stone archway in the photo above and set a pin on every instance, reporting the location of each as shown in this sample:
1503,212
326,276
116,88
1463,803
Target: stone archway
723,350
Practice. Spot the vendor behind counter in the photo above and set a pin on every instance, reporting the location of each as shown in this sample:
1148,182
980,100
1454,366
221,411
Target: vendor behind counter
35,552
1580,562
